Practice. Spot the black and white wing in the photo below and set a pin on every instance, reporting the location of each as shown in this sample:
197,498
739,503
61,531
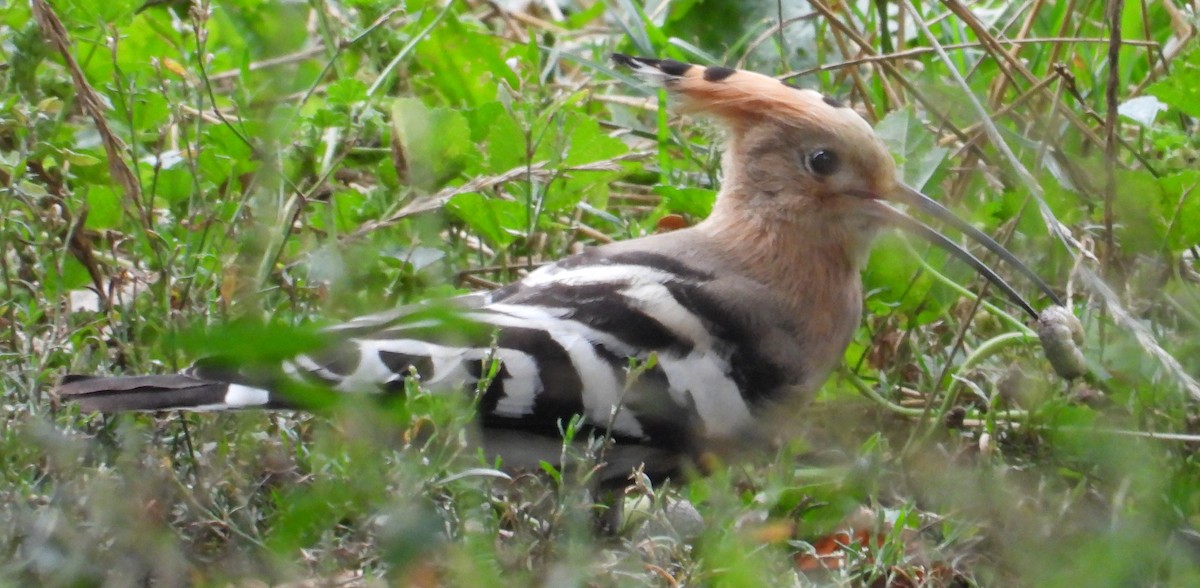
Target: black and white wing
712,349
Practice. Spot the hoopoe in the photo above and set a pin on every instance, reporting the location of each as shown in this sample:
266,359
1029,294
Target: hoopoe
745,313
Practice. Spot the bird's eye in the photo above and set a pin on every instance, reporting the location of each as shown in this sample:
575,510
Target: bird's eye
823,162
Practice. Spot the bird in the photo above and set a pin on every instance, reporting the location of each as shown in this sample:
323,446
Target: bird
730,324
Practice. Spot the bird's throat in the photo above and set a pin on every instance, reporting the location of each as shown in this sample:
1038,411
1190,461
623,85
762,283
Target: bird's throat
812,267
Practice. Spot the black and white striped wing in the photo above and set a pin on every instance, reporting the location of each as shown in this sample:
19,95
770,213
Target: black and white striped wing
565,338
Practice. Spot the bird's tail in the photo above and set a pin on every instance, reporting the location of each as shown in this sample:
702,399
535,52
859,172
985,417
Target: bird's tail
165,392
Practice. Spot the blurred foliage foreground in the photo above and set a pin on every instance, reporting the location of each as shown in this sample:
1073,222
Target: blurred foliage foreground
179,179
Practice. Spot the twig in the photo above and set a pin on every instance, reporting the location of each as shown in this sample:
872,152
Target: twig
535,170
895,73
1010,61
1111,97
302,55
1027,180
772,30
91,104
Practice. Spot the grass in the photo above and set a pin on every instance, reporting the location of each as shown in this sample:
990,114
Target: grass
234,176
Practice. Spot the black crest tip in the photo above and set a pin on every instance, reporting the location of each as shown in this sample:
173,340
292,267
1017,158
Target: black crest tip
717,73
666,66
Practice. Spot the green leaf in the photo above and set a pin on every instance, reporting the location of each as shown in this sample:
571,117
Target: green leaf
436,142
79,159
330,117
898,284
695,202
1182,192
586,143
904,135
579,19
505,145
498,221
467,61
347,209
1181,89
173,185
346,92
252,343
104,208
589,143
224,155
1157,213
72,277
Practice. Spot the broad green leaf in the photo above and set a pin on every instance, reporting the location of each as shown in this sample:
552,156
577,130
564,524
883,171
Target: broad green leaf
918,156
224,155
435,141
173,185
72,277
466,63
577,20
1157,213
346,92
585,144
1182,192
104,208
589,143
330,117
1181,89
695,202
505,145
482,117
500,132
347,209
498,221
577,187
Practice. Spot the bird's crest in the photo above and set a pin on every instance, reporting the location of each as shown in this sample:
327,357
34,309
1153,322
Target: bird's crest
738,96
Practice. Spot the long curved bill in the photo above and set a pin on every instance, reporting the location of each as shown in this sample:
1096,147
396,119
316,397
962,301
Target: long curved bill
916,199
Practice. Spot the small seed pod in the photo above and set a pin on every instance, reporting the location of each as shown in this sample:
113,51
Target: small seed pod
1061,335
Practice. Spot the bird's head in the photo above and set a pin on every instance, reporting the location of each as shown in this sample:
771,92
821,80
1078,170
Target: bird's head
791,153
797,157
